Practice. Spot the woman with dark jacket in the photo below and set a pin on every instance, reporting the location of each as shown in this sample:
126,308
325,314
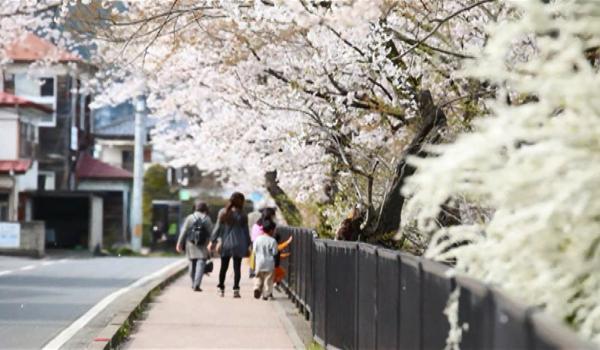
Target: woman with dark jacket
232,230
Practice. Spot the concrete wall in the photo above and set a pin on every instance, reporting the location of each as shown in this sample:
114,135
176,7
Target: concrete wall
96,224
32,240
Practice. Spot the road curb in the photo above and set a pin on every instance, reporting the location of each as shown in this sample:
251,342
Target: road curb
289,326
118,329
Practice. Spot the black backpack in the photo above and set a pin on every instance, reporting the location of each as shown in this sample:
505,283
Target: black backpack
197,233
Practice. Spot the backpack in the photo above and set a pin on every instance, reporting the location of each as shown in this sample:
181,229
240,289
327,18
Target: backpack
197,233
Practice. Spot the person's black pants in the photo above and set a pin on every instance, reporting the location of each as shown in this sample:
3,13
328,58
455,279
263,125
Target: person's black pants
237,274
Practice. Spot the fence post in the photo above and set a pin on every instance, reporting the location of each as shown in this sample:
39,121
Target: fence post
376,252
421,307
310,291
298,268
297,241
411,301
356,297
325,338
476,308
388,295
313,277
367,270
399,308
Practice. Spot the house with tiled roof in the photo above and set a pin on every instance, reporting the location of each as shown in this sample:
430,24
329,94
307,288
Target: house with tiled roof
18,132
114,136
65,129
48,173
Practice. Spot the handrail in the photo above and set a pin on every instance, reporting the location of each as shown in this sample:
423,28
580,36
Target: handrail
359,296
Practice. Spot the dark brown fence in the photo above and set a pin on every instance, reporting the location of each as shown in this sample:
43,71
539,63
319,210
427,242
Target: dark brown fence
359,296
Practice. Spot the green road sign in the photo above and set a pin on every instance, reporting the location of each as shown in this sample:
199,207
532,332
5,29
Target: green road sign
184,195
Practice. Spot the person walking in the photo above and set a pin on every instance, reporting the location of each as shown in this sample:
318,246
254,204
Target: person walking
195,234
265,249
266,213
232,230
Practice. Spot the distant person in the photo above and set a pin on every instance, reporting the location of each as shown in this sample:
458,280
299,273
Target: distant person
265,249
267,213
157,231
349,229
232,231
195,235
253,217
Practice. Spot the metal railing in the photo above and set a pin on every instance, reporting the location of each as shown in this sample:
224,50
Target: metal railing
359,296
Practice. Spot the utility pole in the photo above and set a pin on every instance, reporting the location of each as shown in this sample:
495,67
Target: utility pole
138,173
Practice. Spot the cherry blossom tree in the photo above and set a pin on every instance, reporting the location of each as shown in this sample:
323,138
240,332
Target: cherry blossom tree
332,96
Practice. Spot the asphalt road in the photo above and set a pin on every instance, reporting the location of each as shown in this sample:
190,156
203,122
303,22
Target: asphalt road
40,298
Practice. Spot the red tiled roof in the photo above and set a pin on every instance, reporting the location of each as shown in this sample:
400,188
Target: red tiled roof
19,166
90,168
33,48
9,100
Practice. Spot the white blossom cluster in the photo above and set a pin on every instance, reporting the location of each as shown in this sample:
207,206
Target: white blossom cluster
535,160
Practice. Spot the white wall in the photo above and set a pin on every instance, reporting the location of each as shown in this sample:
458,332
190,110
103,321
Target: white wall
9,135
50,183
26,85
112,155
28,181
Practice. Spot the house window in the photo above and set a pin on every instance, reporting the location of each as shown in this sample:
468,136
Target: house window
81,112
41,182
27,140
127,160
4,205
47,87
24,148
9,83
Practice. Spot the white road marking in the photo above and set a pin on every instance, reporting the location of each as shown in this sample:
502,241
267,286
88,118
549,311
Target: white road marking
63,337
33,266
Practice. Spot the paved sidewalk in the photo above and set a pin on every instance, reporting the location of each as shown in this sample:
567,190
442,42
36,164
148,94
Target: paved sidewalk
180,318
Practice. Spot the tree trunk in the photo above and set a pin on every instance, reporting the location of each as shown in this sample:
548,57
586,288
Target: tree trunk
388,220
289,211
